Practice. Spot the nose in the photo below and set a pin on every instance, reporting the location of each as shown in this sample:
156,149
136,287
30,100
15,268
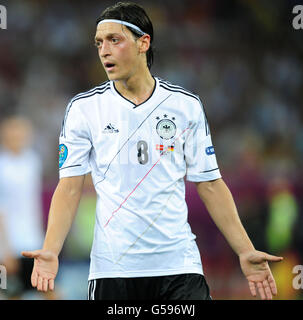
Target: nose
104,51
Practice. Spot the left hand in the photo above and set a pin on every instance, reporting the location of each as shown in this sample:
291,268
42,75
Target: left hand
254,265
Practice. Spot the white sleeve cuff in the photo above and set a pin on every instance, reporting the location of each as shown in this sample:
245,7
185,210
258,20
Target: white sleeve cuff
207,175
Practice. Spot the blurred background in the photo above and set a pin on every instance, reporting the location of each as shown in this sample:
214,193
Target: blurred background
244,59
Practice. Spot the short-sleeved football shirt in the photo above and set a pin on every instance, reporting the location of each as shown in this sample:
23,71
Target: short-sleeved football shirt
138,156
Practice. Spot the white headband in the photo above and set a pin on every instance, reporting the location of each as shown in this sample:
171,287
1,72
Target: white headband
124,23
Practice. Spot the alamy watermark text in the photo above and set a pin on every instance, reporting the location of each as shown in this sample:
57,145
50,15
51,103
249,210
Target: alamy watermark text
2,277
297,21
3,17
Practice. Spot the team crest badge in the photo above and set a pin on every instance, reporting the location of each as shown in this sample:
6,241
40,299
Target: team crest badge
166,127
62,154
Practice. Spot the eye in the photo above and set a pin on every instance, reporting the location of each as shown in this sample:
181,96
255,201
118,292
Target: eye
98,44
115,40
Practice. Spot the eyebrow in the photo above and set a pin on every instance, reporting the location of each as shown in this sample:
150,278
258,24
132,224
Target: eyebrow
109,35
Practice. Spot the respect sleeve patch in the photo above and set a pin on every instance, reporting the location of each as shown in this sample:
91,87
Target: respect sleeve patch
210,150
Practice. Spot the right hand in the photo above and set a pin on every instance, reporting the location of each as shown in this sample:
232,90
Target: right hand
254,265
45,269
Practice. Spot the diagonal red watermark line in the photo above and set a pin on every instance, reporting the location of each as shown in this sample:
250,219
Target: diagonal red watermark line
120,206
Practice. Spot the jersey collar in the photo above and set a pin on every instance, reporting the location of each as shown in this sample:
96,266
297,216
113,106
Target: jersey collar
132,104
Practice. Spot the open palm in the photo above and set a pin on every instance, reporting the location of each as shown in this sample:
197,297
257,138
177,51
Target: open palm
45,269
254,265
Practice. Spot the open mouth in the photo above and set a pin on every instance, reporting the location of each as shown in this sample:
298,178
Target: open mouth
109,66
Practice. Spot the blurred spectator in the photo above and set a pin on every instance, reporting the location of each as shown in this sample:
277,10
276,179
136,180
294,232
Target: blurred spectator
20,202
283,214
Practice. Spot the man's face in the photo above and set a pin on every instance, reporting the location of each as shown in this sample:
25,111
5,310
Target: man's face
118,50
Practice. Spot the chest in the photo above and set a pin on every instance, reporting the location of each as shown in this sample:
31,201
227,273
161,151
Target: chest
137,134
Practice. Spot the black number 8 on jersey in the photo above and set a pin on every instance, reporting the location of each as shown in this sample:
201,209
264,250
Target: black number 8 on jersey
142,152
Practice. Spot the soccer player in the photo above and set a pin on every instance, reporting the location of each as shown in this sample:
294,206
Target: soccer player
139,136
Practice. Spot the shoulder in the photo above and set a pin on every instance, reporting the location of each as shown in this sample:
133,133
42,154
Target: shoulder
83,96
190,98
82,99
186,94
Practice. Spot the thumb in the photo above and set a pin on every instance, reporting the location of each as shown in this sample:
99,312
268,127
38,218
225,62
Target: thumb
269,257
31,254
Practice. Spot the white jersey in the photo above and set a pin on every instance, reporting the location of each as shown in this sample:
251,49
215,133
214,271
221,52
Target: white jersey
20,200
138,156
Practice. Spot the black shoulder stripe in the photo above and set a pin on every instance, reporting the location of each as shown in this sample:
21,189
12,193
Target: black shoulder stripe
207,131
178,90
96,91
173,86
101,86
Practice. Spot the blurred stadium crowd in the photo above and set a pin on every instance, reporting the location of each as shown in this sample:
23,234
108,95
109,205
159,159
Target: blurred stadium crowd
245,61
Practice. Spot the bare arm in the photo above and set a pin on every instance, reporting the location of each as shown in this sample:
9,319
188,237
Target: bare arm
254,264
62,212
63,209
221,207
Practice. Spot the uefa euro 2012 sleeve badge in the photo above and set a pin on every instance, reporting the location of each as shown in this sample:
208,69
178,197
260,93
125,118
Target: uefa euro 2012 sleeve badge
166,127
62,154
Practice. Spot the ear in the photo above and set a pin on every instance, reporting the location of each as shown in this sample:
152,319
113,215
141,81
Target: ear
144,43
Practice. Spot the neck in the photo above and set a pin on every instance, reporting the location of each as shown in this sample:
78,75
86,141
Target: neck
137,88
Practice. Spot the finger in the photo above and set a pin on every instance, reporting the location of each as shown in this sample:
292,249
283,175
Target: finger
267,290
40,284
30,254
51,284
252,288
45,285
272,258
34,279
272,284
27,254
261,290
